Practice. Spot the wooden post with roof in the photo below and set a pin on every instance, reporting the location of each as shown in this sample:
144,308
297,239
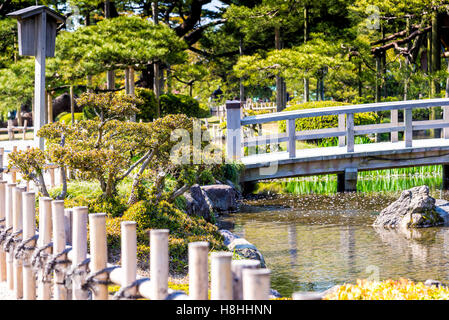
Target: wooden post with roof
37,35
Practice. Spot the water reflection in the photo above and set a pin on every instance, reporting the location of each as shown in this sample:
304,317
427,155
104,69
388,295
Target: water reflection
326,240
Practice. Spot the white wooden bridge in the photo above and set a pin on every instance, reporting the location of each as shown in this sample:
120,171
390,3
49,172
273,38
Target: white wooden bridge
347,158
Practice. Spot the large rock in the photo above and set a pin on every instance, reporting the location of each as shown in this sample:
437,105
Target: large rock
222,196
197,203
415,208
242,247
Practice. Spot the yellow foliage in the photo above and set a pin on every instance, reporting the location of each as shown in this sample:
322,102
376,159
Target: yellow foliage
402,289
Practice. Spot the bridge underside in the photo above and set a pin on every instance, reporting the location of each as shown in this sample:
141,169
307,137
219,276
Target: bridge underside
336,160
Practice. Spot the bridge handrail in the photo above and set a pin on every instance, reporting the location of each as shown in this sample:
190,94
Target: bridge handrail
328,111
346,129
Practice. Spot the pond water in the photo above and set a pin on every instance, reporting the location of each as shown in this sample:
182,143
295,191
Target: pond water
313,242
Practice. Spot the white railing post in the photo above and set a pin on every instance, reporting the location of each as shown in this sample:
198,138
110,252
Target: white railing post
446,120
291,143
159,263
45,226
198,270
29,231
59,244
68,225
394,120
350,132
79,250
342,127
129,256
2,228
221,276
237,266
17,227
9,225
234,131
256,284
408,134
98,252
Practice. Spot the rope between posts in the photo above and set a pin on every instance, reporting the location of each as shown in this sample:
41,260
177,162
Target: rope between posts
53,262
78,270
10,240
122,293
22,247
4,234
38,256
91,280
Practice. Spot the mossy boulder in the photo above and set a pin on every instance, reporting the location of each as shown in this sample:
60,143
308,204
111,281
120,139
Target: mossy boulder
415,208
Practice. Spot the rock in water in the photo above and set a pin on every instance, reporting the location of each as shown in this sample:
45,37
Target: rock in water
415,208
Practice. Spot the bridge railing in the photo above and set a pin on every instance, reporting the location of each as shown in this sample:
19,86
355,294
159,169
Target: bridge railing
345,131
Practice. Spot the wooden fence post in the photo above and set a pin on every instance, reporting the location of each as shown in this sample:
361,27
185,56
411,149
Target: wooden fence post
68,225
237,266
79,248
256,284
98,252
2,227
8,225
59,243
129,255
198,270
2,153
234,130
45,226
10,130
159,263
25,124
29,231
17,227
221,277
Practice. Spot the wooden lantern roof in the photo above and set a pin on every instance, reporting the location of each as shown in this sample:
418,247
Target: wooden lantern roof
31,11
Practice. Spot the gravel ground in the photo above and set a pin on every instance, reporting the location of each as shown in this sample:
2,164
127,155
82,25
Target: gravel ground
5,293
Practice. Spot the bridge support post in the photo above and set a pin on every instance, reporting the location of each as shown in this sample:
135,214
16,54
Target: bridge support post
445,177
234,131
347,180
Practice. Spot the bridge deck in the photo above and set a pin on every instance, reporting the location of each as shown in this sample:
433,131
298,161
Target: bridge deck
336,159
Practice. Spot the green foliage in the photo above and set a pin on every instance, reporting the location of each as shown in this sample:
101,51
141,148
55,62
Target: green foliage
323,122
67,117
148,106
178,103
182,229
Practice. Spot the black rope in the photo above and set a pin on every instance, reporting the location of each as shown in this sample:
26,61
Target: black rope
91,280
4,234
174,294
11,240
19,252
53,262
2,220
37,259
123,292
76,271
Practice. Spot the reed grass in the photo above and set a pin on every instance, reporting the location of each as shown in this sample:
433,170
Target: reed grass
388,180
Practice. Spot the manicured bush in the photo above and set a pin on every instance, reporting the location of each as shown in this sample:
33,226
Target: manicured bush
182,230
325,121
67,118
179,103
148,106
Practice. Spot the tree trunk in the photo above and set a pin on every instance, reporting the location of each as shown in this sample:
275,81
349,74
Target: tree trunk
110,76
279,90
242,87
156,82
306,38
378,79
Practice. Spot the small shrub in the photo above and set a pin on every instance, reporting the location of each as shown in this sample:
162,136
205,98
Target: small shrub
178,103
403,289
67,118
